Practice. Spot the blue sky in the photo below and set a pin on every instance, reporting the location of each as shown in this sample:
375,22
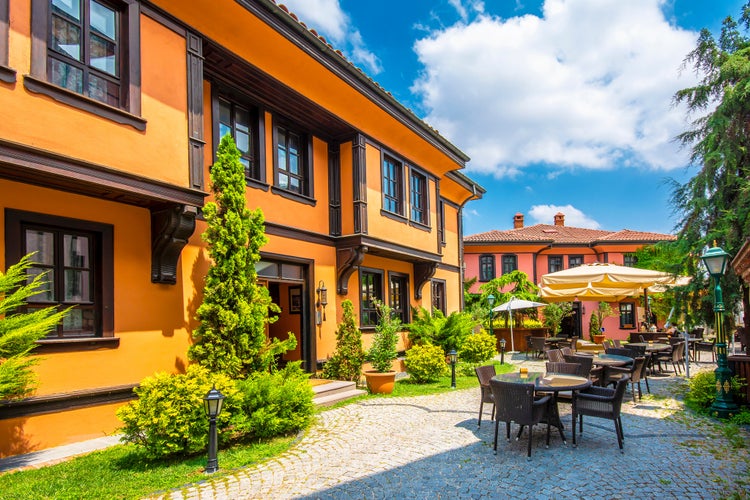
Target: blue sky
563,105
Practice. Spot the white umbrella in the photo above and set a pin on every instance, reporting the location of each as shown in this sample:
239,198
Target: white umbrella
512,305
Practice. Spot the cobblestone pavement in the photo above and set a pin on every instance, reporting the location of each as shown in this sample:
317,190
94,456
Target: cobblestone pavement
431,447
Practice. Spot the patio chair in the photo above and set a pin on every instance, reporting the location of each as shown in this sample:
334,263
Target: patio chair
648,366
527,338
585,364
555,355
484,374
705,346
600,402
617,343
564,367
567,351
607,344
515,403
635,373
538,346
676,356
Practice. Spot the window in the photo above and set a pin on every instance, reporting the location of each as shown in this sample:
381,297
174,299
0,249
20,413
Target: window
575,261
630,260
555,263
6,74
371,292
91,49
291,161
510,263
399,296
438,296
441,222
418,197
627,315
486,267
241,122
393,186
77,258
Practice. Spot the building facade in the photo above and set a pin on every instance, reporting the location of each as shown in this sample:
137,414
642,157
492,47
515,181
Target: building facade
542,248
112,113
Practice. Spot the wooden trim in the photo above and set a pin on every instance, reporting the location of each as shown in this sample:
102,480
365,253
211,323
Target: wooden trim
47,346
54,403
80,101
4,32
22,163
7,75
359,181
171,229
387,249
284,231
334,190
423,273
196,137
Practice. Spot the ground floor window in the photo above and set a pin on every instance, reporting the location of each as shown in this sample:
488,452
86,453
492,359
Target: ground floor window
371,292
627,315
438,296
399,296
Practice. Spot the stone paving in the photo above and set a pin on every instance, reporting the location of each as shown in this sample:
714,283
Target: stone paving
430,447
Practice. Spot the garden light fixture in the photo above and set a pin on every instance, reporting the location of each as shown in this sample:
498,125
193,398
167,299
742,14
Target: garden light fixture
502,351
212,403
452,355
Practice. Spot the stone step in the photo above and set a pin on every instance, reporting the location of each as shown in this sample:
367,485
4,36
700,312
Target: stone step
335,391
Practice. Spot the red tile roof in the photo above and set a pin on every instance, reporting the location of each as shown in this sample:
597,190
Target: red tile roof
545,233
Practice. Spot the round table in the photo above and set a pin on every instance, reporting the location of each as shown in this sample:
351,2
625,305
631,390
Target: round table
650,346
611,360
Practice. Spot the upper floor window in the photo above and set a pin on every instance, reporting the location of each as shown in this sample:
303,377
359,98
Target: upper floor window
371,292
86,53
399,296
630,260
393,186
292,162
77,258
510,263
241,123
486,267
575,261
418,197
438,296
554,263
441,222
6,74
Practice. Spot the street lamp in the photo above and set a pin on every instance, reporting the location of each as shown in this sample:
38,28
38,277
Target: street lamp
502,351
715,259
212,403
452,356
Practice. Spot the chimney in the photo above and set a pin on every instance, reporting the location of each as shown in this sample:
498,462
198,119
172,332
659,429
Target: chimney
518,221
559,219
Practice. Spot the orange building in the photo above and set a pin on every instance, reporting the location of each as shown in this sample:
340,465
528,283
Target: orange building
111,115
542,248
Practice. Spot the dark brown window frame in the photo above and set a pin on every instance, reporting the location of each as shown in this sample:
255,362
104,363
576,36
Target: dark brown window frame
380,274
438,300
515,263
306,140
403,278
575,261
491,259
398,197
257,133
14,219
423,196
630,306
556,258
36,81
7,74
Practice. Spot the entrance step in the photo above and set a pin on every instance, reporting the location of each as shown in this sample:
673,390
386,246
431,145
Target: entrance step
334,391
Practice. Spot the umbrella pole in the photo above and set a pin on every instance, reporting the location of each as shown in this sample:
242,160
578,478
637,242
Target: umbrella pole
510,316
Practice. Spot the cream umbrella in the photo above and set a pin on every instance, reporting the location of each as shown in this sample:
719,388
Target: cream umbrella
512,305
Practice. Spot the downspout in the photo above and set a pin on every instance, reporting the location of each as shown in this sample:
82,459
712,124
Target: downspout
536,255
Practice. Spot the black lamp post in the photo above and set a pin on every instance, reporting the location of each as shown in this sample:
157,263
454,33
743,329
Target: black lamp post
452,356
212,403
715,260
502,351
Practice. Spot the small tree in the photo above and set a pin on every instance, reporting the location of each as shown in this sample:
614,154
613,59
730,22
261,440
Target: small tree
348,358
602,311
19,331
232,337
383,350
554,314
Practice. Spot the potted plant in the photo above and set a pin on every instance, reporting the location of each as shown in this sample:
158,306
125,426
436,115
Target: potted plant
382,378
596,330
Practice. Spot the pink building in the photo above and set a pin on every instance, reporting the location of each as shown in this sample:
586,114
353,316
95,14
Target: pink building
543,248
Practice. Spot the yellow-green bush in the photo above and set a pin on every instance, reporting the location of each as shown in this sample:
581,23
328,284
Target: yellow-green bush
425,363
478,348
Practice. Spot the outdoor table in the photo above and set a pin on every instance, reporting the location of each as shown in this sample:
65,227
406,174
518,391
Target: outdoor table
650,347
554,341
549,383
607,360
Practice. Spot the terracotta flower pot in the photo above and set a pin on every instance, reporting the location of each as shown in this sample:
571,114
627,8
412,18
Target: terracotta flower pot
598,339
380,383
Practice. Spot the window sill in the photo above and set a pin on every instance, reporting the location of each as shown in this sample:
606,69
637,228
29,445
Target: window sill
291,195
254,183
76,344
82,102
393,216
420,226
39,405
7,75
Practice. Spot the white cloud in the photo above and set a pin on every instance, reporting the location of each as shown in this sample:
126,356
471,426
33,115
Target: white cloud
545,214
328,19
589,84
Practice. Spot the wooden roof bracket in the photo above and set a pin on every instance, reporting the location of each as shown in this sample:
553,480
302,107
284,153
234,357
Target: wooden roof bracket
347,261
423,272
171,228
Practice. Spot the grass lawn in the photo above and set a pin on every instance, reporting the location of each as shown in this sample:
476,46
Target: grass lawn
123,472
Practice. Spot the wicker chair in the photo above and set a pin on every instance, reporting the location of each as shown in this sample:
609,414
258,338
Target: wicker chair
585,364
538,346
621,352
617,343
607,344
565,368
601,402
515,403
635,373
527,338
484,374
555,355
704,346
676,357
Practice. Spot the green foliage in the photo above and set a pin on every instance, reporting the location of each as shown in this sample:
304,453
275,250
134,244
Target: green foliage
425,363
348,358
517,284
277,403
168,418
742,418
554,314
603,310
702,390
437,329
383,351
531,323
20,330
232,337
478,348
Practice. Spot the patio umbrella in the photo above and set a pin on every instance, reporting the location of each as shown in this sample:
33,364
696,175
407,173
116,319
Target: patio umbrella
512,305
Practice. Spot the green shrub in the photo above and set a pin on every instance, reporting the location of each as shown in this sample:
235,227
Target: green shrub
276,403
383,351
532,323
478,348
437,329
702,391
425,363
348,358
168,418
